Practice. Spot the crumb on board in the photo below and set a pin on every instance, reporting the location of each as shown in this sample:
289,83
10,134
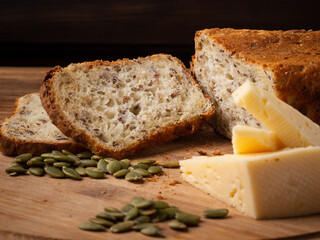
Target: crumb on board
103,192
203,153
217,152
174,182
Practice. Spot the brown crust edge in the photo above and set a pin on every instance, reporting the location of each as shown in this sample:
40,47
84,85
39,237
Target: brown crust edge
68,128
11,146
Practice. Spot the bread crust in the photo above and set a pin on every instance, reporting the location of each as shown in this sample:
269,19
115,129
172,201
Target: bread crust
291,58
70,130
11,146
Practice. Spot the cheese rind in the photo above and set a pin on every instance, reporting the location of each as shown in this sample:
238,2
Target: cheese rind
246,139
293,128
268,185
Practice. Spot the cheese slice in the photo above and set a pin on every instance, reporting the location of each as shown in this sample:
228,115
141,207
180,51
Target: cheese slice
293,128
247,139
266,185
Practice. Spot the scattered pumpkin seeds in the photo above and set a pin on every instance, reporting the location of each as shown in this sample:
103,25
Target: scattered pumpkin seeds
47,155
71,173
121,173
151,231
141,165
63,158
23,157
148,212
111,209
144,225
35,163
126,208
16,169
160,204
125,163
132,213
88,163
61,164
122,227
49,161
54,172
106,215
96,157
147,161
171,212
102,165
159,216
141,219
66,152
170,164
91,227
133,177
154,169
177,225
95,174
187,218
113,167
216,213
142,172
86,155
101,221
36,171
143,204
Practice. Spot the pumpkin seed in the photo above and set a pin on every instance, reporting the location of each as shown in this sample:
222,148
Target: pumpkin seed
142,172
83,155
160,216
216,213
187,218
132,213
108,160
114,166
101,221
102,165
170,164
96,157
143,204
36,171
122,227
95,174
66,152
126,208
136,200
144,225
49,161
38,158
151,231
54,172
61,164
35,163
141,165
125,163
18,164
22,158
147,161
13,174
16,169
160,205
154,169
133,177
76,160
121,173
82,172
56,152
91,227
71,173
147,212
111,209
63,158
117,214
171,212
177,225
88,163
47,155
106,215
141,219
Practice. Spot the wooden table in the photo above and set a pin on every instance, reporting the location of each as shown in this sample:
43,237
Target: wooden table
46,208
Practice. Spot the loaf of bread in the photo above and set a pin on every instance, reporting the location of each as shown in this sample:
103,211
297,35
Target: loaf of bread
119,108
29,130
285,63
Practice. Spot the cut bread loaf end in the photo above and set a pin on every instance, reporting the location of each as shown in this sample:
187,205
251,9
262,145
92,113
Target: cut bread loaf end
119,108
284,63
29,130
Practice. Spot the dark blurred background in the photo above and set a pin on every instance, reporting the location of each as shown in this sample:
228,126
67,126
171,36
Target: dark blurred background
58,32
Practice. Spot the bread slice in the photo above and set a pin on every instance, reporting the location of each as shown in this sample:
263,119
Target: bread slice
285,63
29,129
119,108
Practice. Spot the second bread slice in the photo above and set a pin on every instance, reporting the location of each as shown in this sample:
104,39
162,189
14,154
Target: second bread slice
118,108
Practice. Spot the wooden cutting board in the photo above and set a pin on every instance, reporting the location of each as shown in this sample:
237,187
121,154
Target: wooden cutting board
46,208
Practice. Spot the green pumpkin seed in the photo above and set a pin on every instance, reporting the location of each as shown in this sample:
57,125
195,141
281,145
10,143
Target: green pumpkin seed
114,166
35,163
187,218
141,165
122,227
76,160
126,208
144,225
101,221
106,215
154,169
49,161
56,152
16,169
13,174
63,158
132,213
66,152
54,172
47,155
102,165
142,172
171,212
83,155
133,177
147,161
216,213
147,212
38,158
108,160
160,216
96,157
121,173
22,158
36,171
160,205
82,172
95,174
143,204
151,231
61,164
91,227
117,214
88,163
111,209
18,164
71,173
125,163
170,164
176,225
136,200
141,219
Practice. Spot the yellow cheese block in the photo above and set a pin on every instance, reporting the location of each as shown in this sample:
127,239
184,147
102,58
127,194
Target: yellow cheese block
266,185
247,139
293,128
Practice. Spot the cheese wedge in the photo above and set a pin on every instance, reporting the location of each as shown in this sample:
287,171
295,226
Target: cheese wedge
269,185
247,139
293,128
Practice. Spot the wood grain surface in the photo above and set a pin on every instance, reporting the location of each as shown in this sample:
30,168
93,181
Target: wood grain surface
46,208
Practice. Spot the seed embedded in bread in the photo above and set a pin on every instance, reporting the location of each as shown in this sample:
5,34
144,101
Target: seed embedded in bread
118,108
